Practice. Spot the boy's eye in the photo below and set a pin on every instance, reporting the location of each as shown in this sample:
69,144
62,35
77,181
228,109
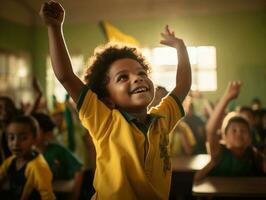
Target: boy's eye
122,77
143,73
11,137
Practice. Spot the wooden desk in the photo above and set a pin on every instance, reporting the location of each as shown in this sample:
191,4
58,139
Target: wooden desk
183,169
231,187
191,163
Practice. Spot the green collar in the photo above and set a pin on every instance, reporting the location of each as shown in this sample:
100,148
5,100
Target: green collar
144,128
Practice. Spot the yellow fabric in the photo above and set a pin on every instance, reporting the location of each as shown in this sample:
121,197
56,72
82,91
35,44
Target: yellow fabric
38,177
113,34
176,142
128,164
58,108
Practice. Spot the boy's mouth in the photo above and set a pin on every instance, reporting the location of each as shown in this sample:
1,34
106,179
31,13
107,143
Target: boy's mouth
139,90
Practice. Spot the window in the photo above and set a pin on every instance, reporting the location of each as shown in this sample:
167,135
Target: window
53,85
203,64
15,76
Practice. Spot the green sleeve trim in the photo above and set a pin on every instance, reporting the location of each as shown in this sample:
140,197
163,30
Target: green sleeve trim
82,96
179,104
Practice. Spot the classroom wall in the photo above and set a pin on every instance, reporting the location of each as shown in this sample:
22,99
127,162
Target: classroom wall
240,41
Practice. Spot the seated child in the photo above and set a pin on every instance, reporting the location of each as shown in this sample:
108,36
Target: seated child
26,171
132,144
62,162
235,156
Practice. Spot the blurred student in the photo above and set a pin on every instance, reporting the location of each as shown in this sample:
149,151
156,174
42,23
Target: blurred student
197,125
235,156
27,172
249,115
62,162
256,104
8,111
182,140
132,145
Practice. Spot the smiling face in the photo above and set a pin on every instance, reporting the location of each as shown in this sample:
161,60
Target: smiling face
128,86
238,135
20,140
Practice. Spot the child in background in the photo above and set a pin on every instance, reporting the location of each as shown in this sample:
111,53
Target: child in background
132,146
8,110
26,171
249,115
236,156
182,140
61,161
197,125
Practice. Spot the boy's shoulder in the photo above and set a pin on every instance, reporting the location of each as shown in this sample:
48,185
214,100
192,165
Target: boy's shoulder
37,164
169,102
5,165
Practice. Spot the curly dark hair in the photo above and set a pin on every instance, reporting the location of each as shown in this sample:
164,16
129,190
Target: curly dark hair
99,64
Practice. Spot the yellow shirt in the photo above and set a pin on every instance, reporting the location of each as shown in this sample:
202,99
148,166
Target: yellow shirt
38,175
176,141
129,164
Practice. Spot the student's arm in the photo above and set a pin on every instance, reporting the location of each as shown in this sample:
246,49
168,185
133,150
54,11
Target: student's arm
199,175
71,187
53,15
38,94
214,122
78,177
183,74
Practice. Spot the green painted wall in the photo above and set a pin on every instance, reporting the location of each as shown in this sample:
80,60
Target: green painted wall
15,37
240,40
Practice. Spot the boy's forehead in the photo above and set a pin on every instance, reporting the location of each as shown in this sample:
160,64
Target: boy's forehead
238,124
18,128
125,64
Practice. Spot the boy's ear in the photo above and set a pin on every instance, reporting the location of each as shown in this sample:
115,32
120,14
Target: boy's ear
108,102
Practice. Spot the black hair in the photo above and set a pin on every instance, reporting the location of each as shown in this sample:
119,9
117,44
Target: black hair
27,120
96,74
256,100
10,108
246,109
45,122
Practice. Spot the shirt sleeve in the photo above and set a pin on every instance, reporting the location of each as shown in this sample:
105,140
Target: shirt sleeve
171,111
4,168
70,163
39,176
94,114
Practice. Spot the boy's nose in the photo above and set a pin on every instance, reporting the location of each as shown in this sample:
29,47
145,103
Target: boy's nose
137,78
15,141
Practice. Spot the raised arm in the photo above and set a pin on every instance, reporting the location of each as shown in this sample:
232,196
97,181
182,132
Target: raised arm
53,15
183,74
215,120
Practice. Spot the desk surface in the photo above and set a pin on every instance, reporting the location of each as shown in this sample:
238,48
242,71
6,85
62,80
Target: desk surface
231,187
191,163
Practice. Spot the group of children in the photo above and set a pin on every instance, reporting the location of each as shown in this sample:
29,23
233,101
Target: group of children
131,141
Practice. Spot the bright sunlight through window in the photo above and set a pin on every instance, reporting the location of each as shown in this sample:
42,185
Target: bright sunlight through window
53,85
203,64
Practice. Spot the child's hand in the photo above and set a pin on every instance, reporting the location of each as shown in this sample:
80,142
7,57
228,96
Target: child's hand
52,13
233,90
36,85
170,39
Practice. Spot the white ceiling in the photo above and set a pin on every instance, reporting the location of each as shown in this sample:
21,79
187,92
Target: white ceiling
26,11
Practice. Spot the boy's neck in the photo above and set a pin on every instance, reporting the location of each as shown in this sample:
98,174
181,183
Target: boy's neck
21,161
140,116
238,152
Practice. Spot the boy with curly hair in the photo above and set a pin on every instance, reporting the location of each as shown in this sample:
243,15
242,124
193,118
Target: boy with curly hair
132,145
